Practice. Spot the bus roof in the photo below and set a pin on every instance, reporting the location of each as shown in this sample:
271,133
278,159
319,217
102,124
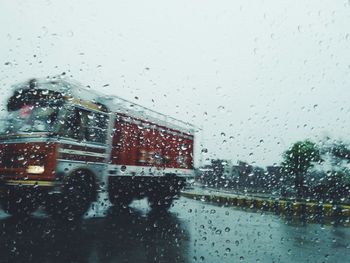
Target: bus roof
75,90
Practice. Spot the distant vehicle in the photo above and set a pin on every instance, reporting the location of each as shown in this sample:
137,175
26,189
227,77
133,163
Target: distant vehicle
61,144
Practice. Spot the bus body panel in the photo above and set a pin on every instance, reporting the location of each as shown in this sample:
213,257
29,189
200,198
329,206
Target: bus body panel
105,139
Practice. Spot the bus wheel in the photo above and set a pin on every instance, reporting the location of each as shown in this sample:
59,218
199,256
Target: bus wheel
19,204
160,202
120,193
119,199
76,197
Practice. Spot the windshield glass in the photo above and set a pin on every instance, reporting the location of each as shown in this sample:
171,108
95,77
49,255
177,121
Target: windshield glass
188,131
30,118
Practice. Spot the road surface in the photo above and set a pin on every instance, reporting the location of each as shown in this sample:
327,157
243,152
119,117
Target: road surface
193,231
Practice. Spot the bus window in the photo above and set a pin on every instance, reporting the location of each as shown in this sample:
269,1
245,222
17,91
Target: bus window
86,125
72,127
96,127
32,118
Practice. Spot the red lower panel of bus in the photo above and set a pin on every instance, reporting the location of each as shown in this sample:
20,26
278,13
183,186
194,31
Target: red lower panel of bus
158,146
25,160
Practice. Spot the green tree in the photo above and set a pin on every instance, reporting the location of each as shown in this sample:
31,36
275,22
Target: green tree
341,151
298,159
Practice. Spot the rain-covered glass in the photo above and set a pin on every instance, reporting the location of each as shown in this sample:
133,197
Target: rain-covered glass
31,118
179,131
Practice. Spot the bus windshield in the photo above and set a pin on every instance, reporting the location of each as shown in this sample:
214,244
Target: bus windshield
30,118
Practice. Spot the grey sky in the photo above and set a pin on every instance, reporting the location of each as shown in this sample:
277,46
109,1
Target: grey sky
255,75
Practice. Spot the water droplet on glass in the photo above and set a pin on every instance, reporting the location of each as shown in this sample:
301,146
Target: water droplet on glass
184,147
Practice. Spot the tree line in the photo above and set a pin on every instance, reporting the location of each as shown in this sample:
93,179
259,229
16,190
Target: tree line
309,170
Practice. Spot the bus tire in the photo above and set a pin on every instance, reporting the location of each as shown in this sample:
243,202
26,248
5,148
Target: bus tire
119,199
120,192
121,202
77,195
160,202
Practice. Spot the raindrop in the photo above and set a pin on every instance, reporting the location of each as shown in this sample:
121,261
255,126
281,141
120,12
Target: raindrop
221,108
70,33
204,150
184,147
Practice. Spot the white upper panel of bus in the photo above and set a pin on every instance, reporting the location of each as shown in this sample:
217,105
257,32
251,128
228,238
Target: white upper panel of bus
116,104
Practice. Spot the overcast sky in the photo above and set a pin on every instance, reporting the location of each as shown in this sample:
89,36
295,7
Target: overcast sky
256,76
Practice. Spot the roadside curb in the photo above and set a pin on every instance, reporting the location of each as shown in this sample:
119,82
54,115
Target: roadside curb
278,206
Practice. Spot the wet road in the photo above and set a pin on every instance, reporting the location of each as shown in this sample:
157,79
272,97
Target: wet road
191,232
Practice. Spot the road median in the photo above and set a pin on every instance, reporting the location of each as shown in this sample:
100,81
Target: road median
276,205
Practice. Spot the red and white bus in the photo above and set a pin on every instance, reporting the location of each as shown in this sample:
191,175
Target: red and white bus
62,143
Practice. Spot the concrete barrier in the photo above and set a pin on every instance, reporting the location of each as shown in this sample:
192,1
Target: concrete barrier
292,208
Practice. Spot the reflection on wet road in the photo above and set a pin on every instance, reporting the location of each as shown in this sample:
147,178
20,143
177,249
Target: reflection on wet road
127,237
191,232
